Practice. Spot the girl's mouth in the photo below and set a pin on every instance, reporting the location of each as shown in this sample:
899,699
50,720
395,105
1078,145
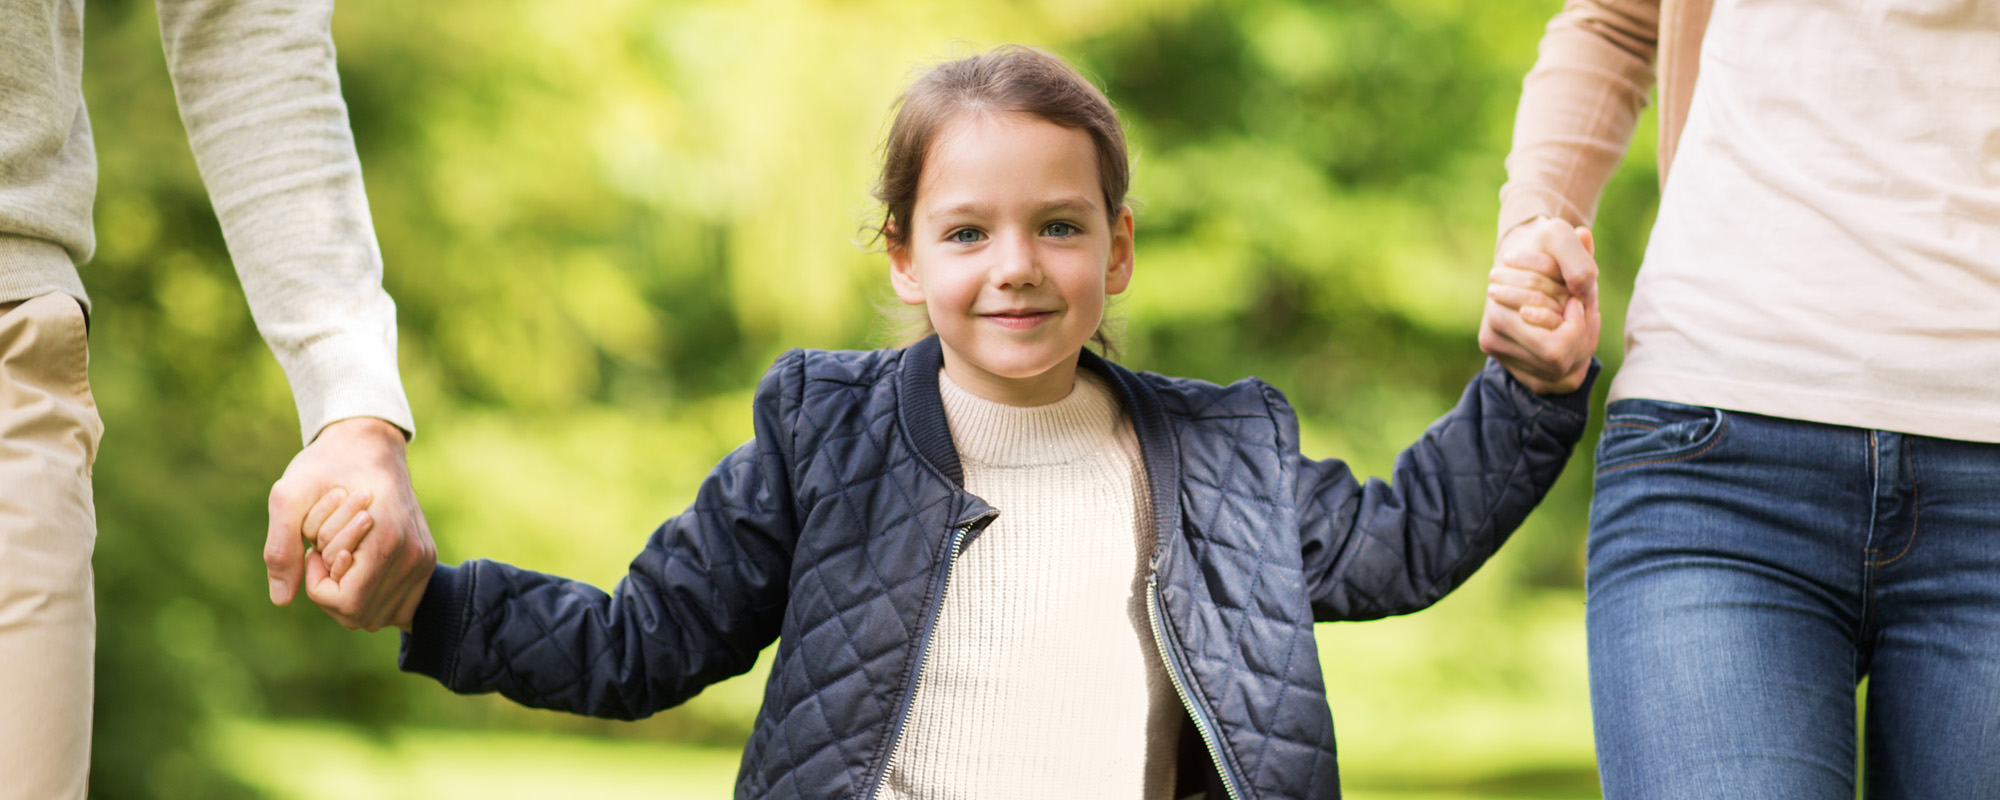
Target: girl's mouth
1018,320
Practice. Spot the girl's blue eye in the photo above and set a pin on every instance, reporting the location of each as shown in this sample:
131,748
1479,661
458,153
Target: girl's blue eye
964,236
1060,229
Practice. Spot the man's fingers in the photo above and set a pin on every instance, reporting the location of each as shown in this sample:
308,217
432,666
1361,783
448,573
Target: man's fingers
1589,241
282,563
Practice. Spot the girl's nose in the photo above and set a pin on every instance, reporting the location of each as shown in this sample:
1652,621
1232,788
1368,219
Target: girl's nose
1016,265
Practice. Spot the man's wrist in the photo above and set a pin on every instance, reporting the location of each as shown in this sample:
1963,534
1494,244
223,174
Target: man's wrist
364,428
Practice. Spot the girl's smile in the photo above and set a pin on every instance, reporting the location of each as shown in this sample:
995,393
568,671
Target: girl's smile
1018,319
1012,252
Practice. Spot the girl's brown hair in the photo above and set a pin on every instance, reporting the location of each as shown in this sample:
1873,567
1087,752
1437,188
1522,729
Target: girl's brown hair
1012,78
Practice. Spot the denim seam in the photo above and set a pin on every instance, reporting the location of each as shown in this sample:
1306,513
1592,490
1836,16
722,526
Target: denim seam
1916,515
1719,431
1868,566
1610,425
1874,492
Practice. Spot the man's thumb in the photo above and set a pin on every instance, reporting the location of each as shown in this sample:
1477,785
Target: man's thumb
284,561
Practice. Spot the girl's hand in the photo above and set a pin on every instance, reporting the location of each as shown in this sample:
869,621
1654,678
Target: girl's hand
337,525
390,565
1534,289
1541,320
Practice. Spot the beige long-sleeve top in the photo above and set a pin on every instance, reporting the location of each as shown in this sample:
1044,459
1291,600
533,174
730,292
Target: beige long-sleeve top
1828,245
260,98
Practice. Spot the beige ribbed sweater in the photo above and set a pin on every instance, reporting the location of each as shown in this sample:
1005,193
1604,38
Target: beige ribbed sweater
1042,678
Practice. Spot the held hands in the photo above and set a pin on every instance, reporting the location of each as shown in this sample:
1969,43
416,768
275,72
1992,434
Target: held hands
335,524
349,494
1541,320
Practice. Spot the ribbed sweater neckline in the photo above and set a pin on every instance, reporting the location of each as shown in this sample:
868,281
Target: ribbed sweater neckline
1083,422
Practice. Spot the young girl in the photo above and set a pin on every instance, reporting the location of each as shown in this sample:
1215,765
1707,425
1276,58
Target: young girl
997,564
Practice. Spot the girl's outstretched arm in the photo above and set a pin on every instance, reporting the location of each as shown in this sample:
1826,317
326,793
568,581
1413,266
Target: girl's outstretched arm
700,602
1373,549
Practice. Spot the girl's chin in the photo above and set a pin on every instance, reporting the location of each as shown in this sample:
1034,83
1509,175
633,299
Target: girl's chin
1018,373
1022,376
1025,363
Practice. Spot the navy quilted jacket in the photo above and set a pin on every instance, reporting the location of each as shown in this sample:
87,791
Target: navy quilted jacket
834,530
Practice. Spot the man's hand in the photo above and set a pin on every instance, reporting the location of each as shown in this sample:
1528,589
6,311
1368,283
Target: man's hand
392,554
1541,320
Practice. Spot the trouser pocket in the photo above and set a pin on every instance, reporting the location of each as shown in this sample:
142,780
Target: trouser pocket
49,434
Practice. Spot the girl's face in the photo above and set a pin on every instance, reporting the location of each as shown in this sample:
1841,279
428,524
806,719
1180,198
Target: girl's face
1012,253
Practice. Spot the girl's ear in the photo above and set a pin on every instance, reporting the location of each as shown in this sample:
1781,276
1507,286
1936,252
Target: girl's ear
903,276
1118,273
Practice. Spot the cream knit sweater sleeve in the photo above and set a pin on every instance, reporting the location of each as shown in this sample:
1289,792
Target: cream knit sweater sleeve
260,97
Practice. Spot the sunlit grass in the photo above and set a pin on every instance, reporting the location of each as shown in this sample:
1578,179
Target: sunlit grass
311,761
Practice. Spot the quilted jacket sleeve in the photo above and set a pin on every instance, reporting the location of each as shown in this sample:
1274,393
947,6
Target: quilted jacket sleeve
703,598
1377,549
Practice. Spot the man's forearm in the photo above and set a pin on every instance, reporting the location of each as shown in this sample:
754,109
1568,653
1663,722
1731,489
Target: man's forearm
260,96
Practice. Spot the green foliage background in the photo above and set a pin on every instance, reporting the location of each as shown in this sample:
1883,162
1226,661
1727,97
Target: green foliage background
602,221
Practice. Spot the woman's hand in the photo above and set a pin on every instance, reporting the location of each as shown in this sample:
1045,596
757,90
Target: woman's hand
1541,320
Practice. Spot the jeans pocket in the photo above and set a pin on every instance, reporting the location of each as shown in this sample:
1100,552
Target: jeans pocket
1641,432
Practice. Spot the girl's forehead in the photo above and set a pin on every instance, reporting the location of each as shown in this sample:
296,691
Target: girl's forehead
1009,157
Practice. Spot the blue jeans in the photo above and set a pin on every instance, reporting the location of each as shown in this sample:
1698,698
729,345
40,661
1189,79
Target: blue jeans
1745,572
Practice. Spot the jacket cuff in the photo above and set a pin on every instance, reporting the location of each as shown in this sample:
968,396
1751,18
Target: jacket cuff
1576,402
431,645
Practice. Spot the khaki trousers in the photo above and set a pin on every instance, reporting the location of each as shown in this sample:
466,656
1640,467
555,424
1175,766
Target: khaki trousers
49,430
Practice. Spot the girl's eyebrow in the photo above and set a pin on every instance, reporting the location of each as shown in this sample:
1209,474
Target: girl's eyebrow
1066,205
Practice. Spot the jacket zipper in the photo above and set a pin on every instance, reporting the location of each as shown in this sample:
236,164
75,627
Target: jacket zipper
924,651
1201,721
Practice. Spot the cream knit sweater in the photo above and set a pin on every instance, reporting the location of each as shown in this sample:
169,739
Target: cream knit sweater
1042,678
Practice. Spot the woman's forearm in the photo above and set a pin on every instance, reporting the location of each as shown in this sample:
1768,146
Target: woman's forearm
1578,108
